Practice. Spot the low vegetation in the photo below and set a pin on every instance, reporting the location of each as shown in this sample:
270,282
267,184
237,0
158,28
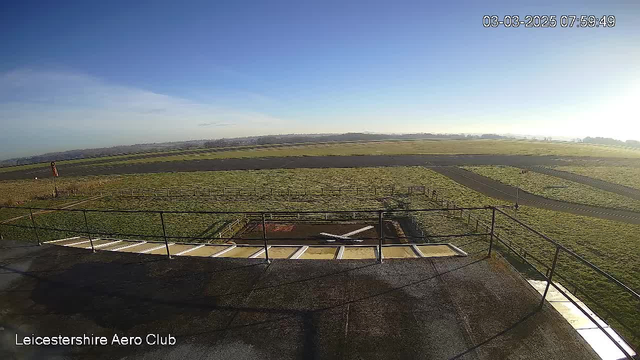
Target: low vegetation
555,188
627,176
397,147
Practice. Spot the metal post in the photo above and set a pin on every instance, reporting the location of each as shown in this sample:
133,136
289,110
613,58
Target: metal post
164,234
381,237
493,227
86,225
33,223
264,237
550,278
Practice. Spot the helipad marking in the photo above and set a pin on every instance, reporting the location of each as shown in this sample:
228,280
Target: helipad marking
103,245
360,252
243,251
439,250
129,246
190,250
55,241
224,251
280,252
398,252
321,252
358,231
154,249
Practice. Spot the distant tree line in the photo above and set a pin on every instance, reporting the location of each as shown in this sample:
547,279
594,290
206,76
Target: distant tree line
610,141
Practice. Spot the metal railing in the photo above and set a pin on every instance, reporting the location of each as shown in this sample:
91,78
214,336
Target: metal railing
252,191
379,216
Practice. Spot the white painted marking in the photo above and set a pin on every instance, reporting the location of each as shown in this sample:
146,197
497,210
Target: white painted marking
358,231
189,250
457,250
55,241
299,253
335,236
258,253
155,248
417,251
77,243
129,246
340,253
103,245
224,251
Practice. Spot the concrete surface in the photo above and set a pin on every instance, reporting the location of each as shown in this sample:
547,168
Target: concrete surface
423,308
600,342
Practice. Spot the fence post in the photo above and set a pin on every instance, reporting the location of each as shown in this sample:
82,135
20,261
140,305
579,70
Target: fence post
493,226
264,237
164,234
86,225
553,269
33,223
381,237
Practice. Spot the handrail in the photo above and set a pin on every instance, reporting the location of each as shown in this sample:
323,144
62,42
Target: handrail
580,258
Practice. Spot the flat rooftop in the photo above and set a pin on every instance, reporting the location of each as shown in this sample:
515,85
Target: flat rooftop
424,308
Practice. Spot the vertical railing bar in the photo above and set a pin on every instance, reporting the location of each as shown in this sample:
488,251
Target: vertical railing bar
493,226
381,237
33,223
550,277
164,234
264,237
86,225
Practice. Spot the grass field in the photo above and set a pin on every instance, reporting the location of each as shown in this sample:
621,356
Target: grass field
627,176
610,245
555,188
449,147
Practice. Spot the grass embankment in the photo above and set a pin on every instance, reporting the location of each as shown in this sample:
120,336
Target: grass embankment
627,176
610,245
555,188
17,192
404,147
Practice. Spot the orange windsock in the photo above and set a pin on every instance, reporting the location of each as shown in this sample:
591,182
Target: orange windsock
53,169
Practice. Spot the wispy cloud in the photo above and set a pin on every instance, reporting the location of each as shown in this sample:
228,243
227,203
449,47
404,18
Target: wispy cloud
214,124
78,108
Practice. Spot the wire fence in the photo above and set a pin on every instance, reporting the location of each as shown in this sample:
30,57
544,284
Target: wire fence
252,192
492,226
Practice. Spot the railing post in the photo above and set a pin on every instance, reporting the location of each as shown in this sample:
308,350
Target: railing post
550,278
381,237
33,224
493,227
86,225
164,234
264,237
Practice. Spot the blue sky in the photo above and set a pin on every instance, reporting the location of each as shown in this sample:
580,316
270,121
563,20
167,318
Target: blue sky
91,74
